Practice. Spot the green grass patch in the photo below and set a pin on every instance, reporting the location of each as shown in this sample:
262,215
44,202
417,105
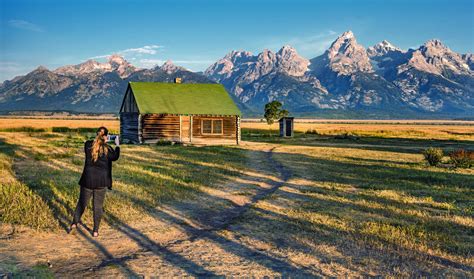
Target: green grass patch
390,200
73,130
42,189
23,129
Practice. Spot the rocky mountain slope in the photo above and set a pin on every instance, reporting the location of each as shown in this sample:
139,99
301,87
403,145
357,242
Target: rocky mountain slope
346,80
381,81
87,87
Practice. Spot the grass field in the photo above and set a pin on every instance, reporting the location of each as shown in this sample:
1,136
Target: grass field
40,172
456,130
9,124
366,205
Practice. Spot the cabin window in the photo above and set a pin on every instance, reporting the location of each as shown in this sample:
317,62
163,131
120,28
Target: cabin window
211,126
207,126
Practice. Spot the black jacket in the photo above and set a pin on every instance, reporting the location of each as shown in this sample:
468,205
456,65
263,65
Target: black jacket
98,174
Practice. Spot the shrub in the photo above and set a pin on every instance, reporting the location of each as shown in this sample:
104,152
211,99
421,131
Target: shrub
433,155
82,130
61,129
88,130
346,136
311,132
164,142
462,158
23,129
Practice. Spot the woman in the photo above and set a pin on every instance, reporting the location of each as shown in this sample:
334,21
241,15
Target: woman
96,176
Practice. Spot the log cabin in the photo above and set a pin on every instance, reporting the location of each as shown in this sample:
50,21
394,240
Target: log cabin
179,112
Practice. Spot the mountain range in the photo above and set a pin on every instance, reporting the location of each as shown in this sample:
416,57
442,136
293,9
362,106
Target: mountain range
347,80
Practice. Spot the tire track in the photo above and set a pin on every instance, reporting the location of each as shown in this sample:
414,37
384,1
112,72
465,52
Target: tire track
221,222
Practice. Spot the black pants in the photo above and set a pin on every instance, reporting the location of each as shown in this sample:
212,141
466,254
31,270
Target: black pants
98,201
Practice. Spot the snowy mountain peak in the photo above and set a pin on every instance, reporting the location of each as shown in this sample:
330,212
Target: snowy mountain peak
344,44
434,43
86,67
290,62
237,56
266,56
241,68
382,48
115,63
41,68
436,58
121,66
237,53
225,66
346,56
431,78
347,35
469,59
117,59
345,39
286,49
170,68
386,45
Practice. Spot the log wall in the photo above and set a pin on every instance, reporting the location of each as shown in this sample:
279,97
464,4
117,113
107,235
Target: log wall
129,126
229,127
185,128
156,127
150,128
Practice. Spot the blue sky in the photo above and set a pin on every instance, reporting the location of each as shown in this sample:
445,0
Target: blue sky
196,33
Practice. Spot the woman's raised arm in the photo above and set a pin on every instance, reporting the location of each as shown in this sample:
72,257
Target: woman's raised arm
114,154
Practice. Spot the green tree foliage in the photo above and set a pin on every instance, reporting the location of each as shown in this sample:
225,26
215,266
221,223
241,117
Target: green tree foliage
273,111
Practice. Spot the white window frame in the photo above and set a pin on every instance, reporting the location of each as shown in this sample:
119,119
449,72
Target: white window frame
212,126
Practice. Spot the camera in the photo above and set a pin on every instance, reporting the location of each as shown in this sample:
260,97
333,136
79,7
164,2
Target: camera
111,137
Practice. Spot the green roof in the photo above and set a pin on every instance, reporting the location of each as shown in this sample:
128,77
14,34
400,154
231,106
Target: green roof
183,98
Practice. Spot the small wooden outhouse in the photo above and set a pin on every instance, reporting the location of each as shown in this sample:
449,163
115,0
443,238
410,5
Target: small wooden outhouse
179,112
286,126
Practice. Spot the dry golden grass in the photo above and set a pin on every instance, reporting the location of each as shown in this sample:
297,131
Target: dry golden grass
8,123
369,205
349,207
422,129
40,172
455,131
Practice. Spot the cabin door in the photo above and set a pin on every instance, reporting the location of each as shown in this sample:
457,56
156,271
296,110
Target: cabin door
185,128
288,128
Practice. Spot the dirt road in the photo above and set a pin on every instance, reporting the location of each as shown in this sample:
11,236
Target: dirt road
252,225
201,237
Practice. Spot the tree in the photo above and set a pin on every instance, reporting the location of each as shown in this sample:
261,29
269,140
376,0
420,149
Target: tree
274,112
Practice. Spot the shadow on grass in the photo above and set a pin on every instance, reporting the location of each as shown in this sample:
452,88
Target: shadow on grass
61,209
453,191
52,200
443,187
400,145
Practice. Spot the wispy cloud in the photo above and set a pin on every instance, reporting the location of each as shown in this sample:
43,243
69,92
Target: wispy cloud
143,50
25,25
147,63
306,45
149,56
149,50
317,43
9,69
9,66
